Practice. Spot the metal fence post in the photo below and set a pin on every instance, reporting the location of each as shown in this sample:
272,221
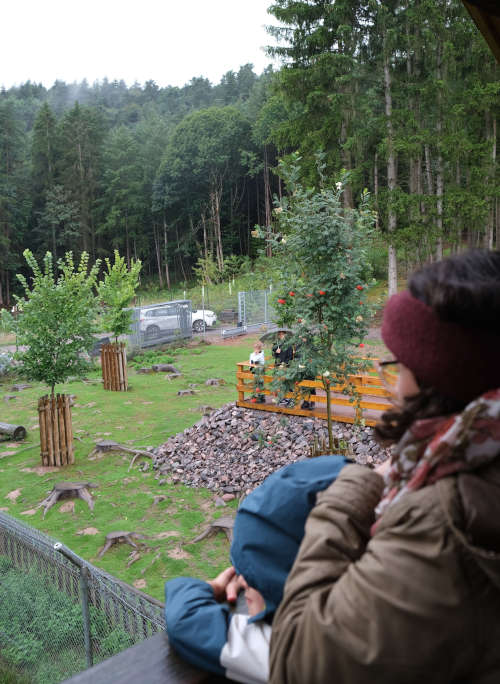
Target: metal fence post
84,596
242,314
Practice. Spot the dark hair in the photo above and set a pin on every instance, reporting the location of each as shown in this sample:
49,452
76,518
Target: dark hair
463,289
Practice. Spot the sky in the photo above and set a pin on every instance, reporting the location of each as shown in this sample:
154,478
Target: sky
167,41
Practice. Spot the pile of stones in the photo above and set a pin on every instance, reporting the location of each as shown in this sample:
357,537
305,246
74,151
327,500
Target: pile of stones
232,450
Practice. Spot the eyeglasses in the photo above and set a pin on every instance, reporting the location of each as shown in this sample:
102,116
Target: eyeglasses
388,377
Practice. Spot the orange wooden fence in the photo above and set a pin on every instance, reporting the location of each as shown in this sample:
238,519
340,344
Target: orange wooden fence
374,398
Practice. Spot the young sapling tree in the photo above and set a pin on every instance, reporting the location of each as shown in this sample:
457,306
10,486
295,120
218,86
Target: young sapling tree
321,247
57,318
55,332
116,291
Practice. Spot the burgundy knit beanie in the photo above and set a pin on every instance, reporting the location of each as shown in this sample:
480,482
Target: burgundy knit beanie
459,362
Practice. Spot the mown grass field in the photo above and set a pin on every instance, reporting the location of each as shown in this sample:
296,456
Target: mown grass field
146,415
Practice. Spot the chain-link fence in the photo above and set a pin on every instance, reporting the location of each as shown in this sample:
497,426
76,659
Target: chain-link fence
58,613
160,323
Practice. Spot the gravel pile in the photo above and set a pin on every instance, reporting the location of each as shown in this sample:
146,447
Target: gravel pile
233,449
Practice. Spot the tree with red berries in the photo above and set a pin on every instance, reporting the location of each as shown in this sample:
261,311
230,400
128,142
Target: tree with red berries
321,246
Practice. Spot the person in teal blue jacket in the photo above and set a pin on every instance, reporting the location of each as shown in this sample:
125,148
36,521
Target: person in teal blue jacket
202,625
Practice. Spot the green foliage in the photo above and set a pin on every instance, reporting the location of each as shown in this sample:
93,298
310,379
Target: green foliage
146,416
322,250
149,358
116,291
206,271
41,627
7,321
7,363
56,318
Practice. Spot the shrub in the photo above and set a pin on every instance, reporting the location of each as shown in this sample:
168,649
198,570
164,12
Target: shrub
7,363
41,628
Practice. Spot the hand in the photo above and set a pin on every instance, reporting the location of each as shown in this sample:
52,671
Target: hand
234,587
278,350
223,584
383,468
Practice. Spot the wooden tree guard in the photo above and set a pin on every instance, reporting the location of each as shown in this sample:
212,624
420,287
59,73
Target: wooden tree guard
114,367
56,432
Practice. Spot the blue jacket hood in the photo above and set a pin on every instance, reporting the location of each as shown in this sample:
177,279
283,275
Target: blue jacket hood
269,525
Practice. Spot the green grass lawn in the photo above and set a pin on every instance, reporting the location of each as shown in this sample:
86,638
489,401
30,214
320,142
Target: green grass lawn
146,415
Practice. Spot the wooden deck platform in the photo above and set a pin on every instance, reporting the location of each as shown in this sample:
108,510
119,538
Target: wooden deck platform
375,399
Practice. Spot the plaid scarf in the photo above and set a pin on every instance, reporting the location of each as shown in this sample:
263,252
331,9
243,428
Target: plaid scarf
436,447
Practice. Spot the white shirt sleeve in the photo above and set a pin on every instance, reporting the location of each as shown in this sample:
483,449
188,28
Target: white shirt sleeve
245,656
257,358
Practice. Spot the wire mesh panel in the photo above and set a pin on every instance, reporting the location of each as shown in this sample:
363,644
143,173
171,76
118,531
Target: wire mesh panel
255,307
58,613
160,323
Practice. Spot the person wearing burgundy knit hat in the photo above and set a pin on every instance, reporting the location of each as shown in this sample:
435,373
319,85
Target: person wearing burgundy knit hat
398,576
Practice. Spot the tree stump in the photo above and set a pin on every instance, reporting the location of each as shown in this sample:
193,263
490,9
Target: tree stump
108,445
224,524
114,367
165,368
56,431
120,538
68,490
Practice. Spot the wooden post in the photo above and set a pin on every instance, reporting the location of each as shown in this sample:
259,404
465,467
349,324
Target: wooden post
114,367
56,433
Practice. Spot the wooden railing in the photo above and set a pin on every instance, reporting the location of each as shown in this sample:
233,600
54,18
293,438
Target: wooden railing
374,398
150,662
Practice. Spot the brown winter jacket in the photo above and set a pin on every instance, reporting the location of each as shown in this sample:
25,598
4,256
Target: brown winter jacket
418,602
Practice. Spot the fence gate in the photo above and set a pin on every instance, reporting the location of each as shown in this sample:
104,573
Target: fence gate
255,307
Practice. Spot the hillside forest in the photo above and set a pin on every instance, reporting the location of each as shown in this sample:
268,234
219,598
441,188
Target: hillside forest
402,96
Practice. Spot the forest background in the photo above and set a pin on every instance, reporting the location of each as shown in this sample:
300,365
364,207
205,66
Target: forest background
402,95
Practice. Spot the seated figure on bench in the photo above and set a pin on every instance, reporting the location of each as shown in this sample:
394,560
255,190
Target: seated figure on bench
201,624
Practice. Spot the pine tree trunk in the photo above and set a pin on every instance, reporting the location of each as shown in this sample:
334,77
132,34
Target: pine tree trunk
497,203
439,164
267,200
165,252
490,233
347,162
391,181
156,238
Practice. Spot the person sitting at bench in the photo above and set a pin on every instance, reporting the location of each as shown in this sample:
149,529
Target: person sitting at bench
257,362
397,580
268,529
